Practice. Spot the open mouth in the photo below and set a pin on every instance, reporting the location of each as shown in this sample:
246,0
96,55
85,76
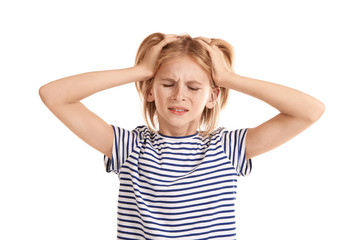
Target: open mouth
178,110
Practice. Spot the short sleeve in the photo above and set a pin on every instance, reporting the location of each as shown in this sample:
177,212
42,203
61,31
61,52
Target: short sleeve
123,144
233,143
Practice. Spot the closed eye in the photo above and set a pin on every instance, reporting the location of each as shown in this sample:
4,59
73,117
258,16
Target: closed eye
168,85
193,88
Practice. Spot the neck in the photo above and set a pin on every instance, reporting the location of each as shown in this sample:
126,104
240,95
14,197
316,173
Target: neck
177,131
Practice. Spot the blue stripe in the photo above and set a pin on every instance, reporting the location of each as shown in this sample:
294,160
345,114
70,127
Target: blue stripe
137,202
175,171
116,151
122,134
124,238
218,236
178,196
132,233
186,167
235,151
180,189
176,159
127,145
155,145
176,231
225,144
243,160
125,179
230,153
175,225
179,201
173,219
168,236
180,137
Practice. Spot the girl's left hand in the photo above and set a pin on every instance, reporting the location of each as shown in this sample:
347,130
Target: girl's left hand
220,68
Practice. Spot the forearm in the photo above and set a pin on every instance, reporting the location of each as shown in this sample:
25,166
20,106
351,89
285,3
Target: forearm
288,101
77,87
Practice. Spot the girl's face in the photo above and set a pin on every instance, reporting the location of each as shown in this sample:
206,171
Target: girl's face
181,90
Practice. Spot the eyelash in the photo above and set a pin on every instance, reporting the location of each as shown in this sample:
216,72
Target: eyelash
193,89
171,85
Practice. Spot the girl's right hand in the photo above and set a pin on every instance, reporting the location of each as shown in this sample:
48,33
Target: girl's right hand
148,64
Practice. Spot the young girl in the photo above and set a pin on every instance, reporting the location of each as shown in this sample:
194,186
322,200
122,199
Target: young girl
179,182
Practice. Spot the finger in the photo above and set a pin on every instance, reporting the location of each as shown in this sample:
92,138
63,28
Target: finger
211,48
208,40
168,39
205,44
171,35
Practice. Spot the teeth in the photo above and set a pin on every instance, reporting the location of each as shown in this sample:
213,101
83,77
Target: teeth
178,110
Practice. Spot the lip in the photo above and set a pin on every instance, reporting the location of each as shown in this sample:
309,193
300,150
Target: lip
178,110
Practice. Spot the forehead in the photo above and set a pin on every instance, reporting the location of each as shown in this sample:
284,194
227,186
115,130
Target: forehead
182,68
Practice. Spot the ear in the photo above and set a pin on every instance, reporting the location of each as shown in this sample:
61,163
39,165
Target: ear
150,97
213,97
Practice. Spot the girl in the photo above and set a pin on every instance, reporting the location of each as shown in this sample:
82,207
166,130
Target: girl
179,182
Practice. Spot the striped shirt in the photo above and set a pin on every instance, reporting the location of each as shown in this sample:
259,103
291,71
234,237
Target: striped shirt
177,187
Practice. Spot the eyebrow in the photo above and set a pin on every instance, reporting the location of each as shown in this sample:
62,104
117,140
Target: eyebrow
174,81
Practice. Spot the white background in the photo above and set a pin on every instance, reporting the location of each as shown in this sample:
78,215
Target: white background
54,186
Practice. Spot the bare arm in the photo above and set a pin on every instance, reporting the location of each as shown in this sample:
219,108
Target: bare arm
63,97
297,110
75,88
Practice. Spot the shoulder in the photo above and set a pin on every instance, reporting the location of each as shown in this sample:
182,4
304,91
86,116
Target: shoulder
218,132
140,132
143,129
144,133
224,134
214,137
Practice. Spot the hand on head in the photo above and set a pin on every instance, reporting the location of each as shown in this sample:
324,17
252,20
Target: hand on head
148,63
220,68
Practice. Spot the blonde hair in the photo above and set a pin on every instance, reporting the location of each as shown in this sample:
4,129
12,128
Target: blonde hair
184,46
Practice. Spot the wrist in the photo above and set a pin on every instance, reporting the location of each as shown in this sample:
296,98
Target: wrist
225,80
144,73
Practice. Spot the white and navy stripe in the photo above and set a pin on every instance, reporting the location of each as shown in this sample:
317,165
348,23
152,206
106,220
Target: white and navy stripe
177,187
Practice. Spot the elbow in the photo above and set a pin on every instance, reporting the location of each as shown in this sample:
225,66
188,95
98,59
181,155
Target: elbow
317,112
44,94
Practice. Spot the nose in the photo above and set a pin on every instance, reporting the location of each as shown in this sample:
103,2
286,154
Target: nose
179,93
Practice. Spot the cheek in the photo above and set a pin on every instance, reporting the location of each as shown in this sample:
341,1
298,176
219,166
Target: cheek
159,93
200,100
161,97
